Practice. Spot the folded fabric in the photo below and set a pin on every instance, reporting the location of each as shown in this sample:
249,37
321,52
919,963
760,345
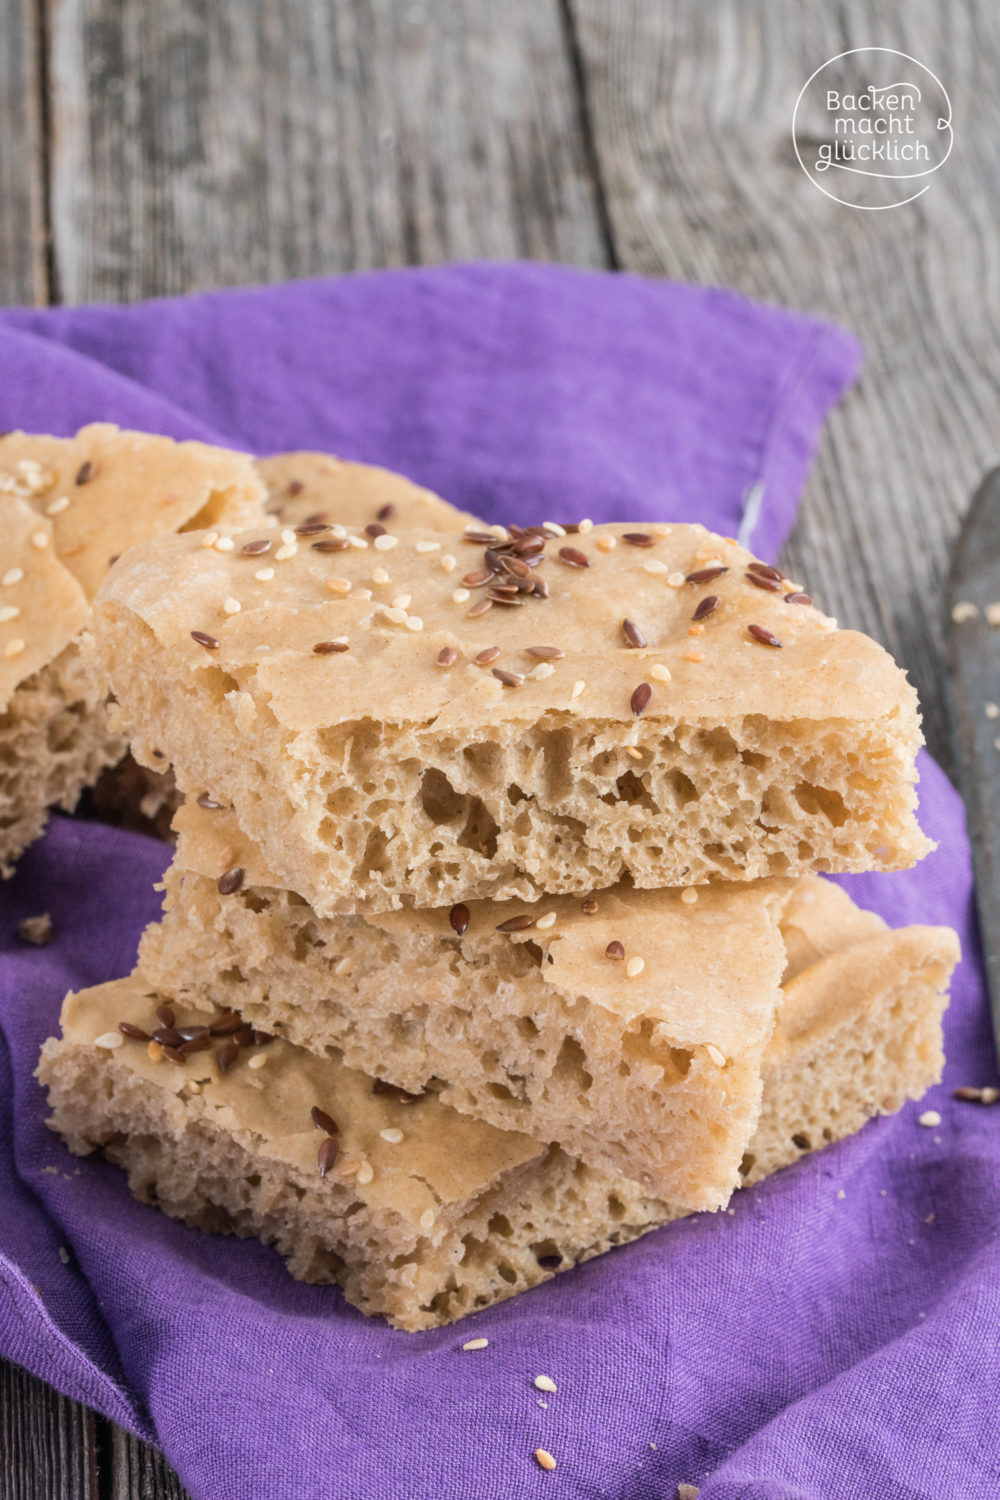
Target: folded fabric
809,1345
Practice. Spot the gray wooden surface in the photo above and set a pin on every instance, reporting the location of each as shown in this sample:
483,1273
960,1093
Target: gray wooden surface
158,148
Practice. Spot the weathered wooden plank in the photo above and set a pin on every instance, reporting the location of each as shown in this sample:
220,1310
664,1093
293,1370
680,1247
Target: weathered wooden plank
210,145
47,1443
23,276
138,1472
690,107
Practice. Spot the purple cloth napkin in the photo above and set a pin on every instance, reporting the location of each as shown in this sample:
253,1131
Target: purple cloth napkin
836,1334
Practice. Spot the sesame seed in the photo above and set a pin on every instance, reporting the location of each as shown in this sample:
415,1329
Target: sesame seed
615,950
634,967
380,576
484,658
56,507
716,1054
460,596
545,1458
633,635
203,639
396,615
675,580
231,606
447,656
639,700
544,669
366,1173
693,655
584,526
154,1052
689,895
509,679
392,1135
654,566
696,630
659,672
12,576
109,1040
448,563
544,923
357,542
264,575
607,543
545,1383
330,648
338,585
13,648
210,538
284,553
414,622
427,1219
763,636
517,924
258,1060
993,613
476,1344
225,544
929,1118
230,881
385,543
573,557
589,907
39,539
428,547
402,601
459,918
705,575
991,709
578,688
963,611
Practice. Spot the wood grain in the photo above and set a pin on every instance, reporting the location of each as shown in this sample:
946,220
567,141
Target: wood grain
199,145
138,1472
690,107
23,271
48,1445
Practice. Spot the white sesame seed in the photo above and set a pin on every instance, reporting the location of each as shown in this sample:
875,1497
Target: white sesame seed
578,688
358,542
428,547
264,575
414,622
386,542
392,1135
549,920
545,1459
284,553
963,611
366,1173
675,580
288,537
554,528
231,606
56,507
930,1118
340,532
13,648
402,601
545,1383
661,530
9,612
992,711
584,527
259,1060
659,672
654,566
339,585
380,576
448,563
210,538
689,895
693,655
544,669
225,544
996,743
460,596
193,1086
427,1219
607,543
634,967
716,1054
362,595
993,614
12,576
397,616
109,1040
39,539
476,1344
